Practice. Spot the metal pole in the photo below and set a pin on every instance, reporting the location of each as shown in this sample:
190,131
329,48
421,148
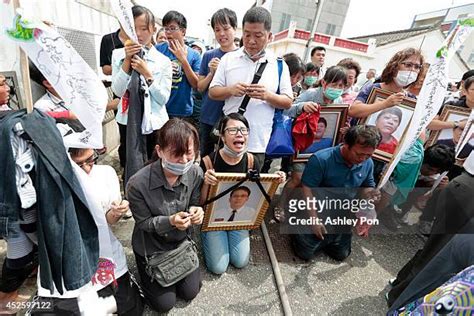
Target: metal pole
285,302
317,14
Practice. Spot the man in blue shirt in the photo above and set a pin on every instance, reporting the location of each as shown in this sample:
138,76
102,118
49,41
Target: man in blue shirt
339,170
185,62
224,24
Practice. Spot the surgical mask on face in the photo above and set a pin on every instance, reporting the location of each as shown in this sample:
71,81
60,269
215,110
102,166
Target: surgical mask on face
310,80
405,77
177,168
332,93
232,153
259,55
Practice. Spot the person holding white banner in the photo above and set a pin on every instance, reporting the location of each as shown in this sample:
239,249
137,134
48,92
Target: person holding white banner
154,69
401,71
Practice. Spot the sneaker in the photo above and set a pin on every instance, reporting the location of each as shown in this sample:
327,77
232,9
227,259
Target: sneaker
424,227
391,281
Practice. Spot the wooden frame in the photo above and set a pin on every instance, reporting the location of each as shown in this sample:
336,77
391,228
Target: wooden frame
407,106
338,110
253,209
16,102
446,136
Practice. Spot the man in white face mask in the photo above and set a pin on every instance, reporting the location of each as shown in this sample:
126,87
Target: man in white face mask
233,78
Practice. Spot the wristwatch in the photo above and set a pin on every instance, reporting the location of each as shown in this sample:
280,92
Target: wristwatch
149,81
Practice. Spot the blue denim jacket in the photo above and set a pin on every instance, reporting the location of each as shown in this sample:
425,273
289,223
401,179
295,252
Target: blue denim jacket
9,200
67,234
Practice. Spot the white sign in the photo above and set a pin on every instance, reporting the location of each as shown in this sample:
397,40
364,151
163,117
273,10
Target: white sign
123,12
72,78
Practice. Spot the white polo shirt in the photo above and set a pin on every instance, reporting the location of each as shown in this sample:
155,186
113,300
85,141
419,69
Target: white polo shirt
236,67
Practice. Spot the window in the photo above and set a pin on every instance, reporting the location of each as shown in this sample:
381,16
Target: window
309,24
330,29
285,21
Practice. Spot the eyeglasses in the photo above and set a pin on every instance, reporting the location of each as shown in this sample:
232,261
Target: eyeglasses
92,160
171,29
233,130
412,65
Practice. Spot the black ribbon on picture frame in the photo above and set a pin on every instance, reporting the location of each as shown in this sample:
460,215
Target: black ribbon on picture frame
252,175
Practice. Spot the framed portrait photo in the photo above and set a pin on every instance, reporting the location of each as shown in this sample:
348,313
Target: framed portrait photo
392,123
451,137
242,207
15,102
331,120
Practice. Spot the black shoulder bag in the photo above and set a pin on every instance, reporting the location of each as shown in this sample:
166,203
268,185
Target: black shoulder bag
215,133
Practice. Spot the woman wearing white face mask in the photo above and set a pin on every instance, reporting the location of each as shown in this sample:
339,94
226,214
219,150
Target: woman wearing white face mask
164,200
233,246
401,71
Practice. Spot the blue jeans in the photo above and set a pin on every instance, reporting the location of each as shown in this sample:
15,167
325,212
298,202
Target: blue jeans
336,246
222,247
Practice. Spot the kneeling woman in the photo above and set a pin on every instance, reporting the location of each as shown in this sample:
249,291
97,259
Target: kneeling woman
233,246
164,198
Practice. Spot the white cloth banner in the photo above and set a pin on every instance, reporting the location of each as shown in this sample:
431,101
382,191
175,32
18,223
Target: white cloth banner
123,12
72,78
432,93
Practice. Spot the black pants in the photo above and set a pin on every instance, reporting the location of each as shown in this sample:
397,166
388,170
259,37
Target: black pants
127,296
163,299
122,151
207,142
16,271
457,255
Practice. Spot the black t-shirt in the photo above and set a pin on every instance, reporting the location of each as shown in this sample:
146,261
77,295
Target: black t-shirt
107,45
221,166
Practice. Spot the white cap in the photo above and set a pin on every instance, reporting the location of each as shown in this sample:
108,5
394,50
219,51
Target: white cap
469,163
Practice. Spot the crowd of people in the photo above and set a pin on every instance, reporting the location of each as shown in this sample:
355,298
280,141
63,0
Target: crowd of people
211,110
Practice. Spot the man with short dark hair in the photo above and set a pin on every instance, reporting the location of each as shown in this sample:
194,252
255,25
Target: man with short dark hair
108,43
224,25
233,77
237,210
185,63
337,173
318,55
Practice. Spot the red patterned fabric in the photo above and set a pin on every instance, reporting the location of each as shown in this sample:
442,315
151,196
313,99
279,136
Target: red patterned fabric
303,131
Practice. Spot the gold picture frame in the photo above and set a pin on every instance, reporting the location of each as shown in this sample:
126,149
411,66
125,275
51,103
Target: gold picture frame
447,136
218,212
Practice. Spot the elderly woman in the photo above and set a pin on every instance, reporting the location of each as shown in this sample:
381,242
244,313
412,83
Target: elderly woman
401,71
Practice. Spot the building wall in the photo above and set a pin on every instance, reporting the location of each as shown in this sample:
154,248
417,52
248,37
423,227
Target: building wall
379,56
430,46
330,22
